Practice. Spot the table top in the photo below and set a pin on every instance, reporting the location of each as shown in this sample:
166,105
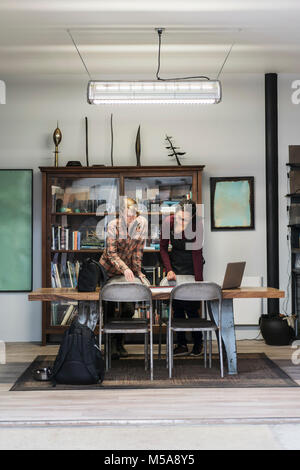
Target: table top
158,293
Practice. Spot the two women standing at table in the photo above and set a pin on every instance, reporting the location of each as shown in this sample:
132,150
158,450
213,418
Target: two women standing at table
122,260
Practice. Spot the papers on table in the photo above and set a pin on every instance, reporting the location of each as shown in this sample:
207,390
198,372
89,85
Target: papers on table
161,290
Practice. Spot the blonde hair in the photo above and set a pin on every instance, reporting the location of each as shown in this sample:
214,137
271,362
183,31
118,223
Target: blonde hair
130,203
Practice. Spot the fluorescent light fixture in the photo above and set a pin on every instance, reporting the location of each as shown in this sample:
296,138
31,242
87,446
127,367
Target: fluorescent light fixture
154,92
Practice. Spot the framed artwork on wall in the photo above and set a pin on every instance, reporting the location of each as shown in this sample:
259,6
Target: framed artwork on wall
232,203
16,230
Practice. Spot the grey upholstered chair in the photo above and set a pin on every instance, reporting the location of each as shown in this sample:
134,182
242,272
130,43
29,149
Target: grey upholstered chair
126,292
202,291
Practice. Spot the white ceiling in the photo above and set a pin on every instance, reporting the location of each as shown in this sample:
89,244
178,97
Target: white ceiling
117,37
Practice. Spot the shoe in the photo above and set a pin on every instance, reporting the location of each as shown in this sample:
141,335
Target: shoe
122,351
197,350
181,350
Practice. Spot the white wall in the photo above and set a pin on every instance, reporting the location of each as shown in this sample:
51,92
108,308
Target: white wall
289,134
227,138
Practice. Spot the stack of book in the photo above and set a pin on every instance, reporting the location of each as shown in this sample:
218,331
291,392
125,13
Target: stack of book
63,238
64,276
63,314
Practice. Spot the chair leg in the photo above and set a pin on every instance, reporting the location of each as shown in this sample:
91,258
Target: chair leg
160,328
106,351
210,349
109,351
205,348
221,354
172,348
100,325
170,353
167,347
146,351
151,343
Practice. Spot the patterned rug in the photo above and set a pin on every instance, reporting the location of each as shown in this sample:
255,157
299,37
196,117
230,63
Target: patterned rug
255,370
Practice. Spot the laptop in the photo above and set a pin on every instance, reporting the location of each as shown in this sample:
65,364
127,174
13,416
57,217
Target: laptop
233,275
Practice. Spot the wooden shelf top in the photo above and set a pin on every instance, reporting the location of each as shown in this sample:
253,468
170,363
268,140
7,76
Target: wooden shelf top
121,169
58,294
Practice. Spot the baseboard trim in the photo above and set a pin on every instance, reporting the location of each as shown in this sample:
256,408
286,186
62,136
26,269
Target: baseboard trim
147,422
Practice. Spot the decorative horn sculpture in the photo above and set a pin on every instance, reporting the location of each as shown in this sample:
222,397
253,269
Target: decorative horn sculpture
57,136
86,141
138,147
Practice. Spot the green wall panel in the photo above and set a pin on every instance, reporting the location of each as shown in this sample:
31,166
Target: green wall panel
15,230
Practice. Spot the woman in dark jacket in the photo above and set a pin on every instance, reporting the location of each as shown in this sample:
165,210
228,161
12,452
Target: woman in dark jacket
185,259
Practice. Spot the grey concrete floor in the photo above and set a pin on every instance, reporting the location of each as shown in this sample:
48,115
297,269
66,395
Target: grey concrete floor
228,437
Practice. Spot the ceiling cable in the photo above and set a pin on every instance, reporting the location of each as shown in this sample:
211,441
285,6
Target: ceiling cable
160,31
222,66
69,33
227,55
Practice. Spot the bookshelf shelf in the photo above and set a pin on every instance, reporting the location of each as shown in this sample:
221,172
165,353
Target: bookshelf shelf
84,213
108,213
78,251
66,235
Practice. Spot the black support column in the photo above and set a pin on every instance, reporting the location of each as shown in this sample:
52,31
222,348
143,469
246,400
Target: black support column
271,130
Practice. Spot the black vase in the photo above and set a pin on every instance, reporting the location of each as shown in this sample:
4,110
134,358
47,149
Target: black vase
275,330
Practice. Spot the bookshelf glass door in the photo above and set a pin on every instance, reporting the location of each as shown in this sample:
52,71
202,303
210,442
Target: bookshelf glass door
157,196
80,209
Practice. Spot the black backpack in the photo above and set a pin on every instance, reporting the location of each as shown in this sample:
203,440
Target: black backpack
79,360
91,274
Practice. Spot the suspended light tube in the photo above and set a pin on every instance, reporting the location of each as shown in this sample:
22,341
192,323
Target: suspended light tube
154,92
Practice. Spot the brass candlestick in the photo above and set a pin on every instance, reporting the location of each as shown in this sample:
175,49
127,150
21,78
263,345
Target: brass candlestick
57,136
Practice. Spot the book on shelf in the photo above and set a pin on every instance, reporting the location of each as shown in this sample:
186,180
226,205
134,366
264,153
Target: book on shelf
67,315
57,276
63,313
72,278
64,275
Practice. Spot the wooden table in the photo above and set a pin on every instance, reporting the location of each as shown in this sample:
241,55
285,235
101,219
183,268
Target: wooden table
228,330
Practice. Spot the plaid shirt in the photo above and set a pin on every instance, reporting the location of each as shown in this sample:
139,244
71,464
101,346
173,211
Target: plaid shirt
124,247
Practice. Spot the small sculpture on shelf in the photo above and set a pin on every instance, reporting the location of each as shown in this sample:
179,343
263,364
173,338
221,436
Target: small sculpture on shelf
111,141
174,150
138,147
86,141
57,136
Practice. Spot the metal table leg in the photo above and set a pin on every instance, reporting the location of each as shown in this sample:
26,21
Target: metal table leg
159,311
228,331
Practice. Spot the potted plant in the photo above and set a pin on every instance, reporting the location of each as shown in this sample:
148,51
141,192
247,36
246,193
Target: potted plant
276,329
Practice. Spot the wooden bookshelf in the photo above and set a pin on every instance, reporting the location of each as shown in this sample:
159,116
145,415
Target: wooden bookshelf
77,189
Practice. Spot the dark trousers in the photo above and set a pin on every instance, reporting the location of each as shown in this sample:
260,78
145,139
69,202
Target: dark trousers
180,307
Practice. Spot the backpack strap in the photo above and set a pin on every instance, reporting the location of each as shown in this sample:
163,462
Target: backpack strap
63,354
86,338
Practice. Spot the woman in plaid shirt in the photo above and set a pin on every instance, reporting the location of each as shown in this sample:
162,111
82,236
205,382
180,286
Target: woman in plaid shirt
125,239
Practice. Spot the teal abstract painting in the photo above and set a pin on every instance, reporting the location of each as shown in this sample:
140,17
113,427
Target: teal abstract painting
232,203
